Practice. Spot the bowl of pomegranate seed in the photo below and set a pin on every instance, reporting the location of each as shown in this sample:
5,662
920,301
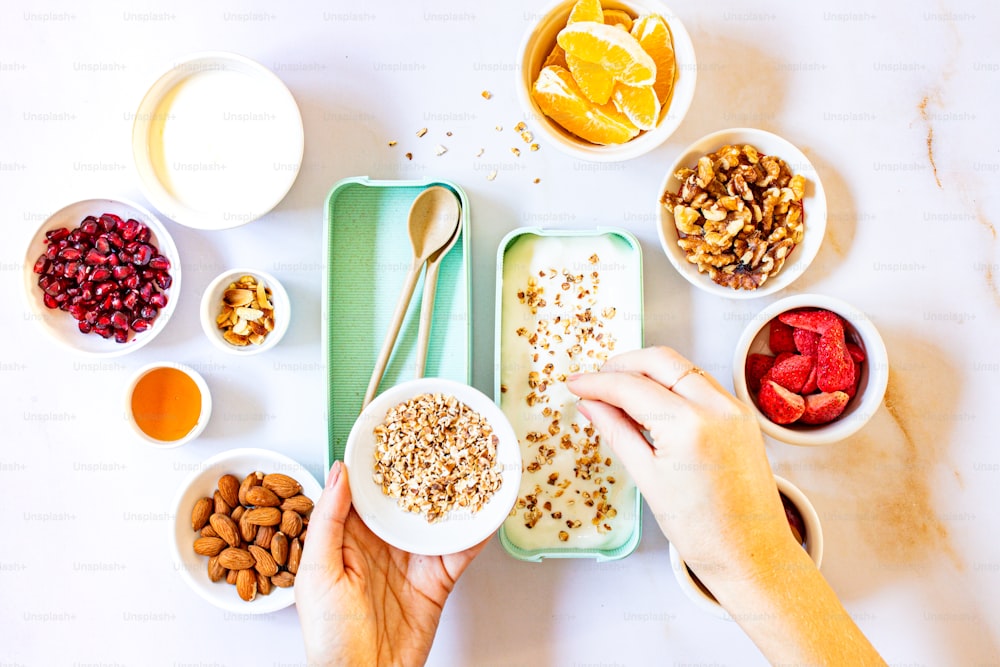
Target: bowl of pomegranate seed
102,276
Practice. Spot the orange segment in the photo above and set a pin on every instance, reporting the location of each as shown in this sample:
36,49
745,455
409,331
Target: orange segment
560,98
638,103
586,10
653,35
556,57
595,81
612,48
618,17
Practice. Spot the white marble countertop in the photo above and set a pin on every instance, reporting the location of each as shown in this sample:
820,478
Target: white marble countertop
895,105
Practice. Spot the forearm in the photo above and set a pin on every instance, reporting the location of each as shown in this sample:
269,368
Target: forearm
793,616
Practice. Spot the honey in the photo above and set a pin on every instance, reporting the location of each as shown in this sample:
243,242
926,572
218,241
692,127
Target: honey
166,404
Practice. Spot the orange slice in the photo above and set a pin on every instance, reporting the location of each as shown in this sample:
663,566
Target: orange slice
560,98
595,81
586,10
653,35
612,48
618,17
639,104
556,57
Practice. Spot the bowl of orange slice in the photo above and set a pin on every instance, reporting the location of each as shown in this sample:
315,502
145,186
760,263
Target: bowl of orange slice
605,80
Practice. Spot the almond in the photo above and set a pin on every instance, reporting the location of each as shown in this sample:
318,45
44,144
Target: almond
209,546
215,571
299,503
264,516
221,506
279,548
208,531
302,536
226,529
229,487
248,531
283,485
283,580
294,556
200,513
253,479
265,562
231,576
264,586
264,536
246,584
236,559
291,523
262,496
237,513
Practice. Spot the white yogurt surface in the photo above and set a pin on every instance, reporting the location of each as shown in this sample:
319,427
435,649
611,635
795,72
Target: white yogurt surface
617,290
226,143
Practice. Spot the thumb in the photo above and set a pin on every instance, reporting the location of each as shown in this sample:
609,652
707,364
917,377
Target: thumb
325,547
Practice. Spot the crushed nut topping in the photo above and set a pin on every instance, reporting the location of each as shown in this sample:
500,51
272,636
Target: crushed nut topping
739,215
435,454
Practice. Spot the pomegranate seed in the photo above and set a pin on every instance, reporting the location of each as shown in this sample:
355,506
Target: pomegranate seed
42,265
147,274
139,325
75,236
53,286
121,335
77,311
70,269
100,275
84,326
69,253
110,221
143,234
102,245
89,226
131,299
103,321
104,332
123,271
81,274
148,312
146,291
142,255
90,316
49,301
119,320
56,234
94,258
131,281
87,291
160,263
61,298
103,289
115,239
129,229
159,300
163,280
116,302
51,252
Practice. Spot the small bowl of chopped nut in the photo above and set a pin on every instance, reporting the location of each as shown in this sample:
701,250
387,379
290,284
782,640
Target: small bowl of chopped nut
245,311
434,466
742,213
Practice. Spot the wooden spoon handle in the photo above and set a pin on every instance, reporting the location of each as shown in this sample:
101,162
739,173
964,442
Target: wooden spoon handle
427,313
392,334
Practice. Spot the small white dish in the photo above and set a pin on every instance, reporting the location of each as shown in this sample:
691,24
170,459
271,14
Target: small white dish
205,405
702,597
411,532
60,325
211,306
814,206
202,484
858,329
217,141
539,40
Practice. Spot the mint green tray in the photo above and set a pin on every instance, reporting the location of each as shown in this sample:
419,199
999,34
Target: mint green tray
367,256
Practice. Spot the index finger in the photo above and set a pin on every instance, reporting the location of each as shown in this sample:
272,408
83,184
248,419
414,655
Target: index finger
647,402
671,369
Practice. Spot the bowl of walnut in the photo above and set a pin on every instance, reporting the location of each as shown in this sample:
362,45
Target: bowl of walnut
434,466
245,311
742,213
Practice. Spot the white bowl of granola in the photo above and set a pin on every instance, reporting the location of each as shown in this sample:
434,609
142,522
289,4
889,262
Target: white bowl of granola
724,257
434,466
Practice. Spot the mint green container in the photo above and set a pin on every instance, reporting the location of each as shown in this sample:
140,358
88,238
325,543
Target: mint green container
367,256
632,257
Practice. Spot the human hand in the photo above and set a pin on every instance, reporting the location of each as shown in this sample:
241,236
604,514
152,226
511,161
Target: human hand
361,601
705,475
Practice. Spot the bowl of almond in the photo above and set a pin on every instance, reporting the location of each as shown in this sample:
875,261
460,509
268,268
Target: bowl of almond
245,311
241,520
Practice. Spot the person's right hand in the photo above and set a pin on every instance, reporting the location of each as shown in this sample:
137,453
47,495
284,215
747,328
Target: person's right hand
705,474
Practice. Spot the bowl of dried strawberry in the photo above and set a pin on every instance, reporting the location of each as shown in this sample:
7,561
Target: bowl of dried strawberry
102,276
813,368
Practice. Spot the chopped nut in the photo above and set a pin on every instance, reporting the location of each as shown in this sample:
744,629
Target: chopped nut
487,94
516,151
440,150
392,143
246,314
422,131
563,536
492,175
409,156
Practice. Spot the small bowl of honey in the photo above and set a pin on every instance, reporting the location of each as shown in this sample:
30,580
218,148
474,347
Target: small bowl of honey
168,404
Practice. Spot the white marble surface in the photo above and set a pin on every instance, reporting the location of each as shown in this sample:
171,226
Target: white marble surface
895,106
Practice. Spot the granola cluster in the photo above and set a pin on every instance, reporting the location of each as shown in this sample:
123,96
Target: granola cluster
739,215
567,334
435,454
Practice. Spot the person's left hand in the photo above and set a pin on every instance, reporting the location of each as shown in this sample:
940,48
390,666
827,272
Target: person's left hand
361,601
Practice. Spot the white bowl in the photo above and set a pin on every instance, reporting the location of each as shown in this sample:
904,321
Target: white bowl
858,329
203,483
538,42
814,205
211,305
409,531
60,325
814,547
206,404
217,141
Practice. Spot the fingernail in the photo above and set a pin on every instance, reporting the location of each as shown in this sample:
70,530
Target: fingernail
334,475
573,377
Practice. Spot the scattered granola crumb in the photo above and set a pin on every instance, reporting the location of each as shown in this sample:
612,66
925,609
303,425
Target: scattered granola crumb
440,150
448,133
527,136
409,156
537,180
392,143
422,131
487,94
499,128
534,147
520,127
480,153
516,151
492,175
